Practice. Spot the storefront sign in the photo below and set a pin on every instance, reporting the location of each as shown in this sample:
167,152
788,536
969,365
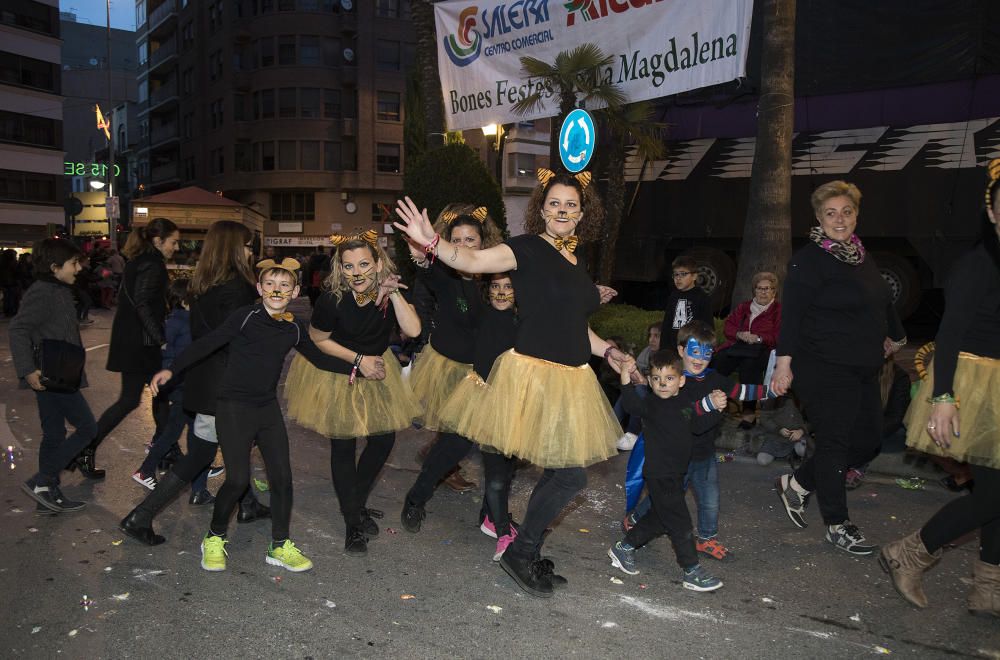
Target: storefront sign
297,241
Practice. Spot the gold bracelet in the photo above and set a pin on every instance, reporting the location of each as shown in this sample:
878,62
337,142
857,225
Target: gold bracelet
947,397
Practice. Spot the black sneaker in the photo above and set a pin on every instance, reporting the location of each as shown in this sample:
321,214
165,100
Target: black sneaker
216,470
794,504
848,537
41,510
51,498
368,524
529,575
356,542
623,558
412,517
547,568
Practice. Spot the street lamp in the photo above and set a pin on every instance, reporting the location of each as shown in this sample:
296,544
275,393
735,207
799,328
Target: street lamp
97,184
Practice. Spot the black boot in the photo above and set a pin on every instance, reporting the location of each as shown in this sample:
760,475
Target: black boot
528,573
85,462
251,509
139,522
356,542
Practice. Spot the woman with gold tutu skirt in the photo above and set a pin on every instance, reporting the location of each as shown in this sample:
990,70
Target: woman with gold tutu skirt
963,384
357,391
543,403
447,358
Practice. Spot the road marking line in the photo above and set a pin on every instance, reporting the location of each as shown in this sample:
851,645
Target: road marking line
94,348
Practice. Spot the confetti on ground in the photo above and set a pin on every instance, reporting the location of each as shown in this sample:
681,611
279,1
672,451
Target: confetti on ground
910,484
329,603
407,597
118,542
609,624
123,596
881,650
390,530
496,609
644,586
107,569
261,485
765,599
32,529
36,630
17,510
72,633
615,580
277,579
584,531
86,602
446,542
856,618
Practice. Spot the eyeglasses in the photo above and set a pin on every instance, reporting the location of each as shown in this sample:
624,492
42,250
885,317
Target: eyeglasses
681,273
764,288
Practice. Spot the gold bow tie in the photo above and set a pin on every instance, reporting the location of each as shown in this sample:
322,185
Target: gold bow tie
570,243
283,316
365,296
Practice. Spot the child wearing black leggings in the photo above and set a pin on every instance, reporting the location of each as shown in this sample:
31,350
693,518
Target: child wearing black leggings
259,337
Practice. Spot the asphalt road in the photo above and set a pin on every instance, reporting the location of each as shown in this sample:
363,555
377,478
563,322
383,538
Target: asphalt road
73,586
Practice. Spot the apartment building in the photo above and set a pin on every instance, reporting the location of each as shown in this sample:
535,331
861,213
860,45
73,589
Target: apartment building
31,130
293,107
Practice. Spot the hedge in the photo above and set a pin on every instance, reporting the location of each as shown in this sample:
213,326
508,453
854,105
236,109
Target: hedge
631,323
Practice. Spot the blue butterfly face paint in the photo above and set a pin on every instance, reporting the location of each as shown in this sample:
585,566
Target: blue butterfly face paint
697,350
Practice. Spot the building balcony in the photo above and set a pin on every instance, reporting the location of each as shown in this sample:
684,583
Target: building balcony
164,173
164,96
164,135
163,19
165,54
242,80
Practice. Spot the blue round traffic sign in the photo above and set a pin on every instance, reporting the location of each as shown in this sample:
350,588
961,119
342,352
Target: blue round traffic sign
577,139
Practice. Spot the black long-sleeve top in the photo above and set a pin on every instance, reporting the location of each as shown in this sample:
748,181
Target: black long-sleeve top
458,300
705,425
496,332
836,312
257,345
683,307
971,320
666,424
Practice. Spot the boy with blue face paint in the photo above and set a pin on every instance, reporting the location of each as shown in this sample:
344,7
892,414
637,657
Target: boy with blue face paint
696,344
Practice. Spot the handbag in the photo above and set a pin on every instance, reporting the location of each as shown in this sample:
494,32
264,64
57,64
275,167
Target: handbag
61,364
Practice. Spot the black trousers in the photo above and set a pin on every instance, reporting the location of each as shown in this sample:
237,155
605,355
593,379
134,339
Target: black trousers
240,426
498,473
443,456
669,516
56,450
133,383
353,481
750,369
844,407
199,456
554,490
977,510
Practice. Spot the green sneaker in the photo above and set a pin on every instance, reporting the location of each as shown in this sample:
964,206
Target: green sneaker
213,553
288,557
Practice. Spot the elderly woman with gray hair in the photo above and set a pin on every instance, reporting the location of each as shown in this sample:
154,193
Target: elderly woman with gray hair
751,332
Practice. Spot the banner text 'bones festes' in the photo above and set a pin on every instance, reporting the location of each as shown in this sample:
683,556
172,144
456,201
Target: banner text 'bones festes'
659,48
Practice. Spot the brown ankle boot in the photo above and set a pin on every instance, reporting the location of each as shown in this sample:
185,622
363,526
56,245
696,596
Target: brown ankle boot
985,596
905,561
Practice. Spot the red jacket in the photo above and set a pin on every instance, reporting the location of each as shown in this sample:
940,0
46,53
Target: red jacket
766,325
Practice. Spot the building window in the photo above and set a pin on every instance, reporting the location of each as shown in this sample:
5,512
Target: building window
29,72
409,55
309,102
140,13
286,49
187,81
143,91
286,102
267,104
521,165
265,47
267,156
331,156
239,107
215,65
387,8
331,51
217,161
189,169
309,51
29,129
242,157
286,5
143,52
214,16
387,55
187,125
387,158
286,155
309,155
266,6
331,103
17,186
350,103
187,35
293,206
388,106
216,113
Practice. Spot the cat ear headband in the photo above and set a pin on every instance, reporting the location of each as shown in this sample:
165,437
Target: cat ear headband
545,175
993,169
479,215
370,237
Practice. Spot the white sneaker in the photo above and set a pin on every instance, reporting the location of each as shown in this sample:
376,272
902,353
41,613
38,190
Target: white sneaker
626,442
149,481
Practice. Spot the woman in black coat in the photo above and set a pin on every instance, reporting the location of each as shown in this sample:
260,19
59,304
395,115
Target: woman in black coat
137,332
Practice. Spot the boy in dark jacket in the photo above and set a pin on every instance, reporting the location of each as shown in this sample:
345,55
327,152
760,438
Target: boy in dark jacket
49,312
688,302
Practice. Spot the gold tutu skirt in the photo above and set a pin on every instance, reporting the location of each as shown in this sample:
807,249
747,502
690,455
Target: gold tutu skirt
327,403
977,387
433,381
459,412
550,414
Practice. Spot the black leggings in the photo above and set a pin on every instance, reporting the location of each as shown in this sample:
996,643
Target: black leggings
979,509
552,493
498,472
352,481
670,516
444,455
200,454
133,383
240,425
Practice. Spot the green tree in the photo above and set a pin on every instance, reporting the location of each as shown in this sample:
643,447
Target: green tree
767,231
630,125
447,175
430,83
573,79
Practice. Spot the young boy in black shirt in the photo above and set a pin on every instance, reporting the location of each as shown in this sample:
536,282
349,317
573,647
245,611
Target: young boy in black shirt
688,302
666,419
259,337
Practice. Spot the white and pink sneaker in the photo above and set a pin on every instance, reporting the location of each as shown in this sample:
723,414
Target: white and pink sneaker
488,528
503,542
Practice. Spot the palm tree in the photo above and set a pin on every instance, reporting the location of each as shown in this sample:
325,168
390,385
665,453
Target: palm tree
574,77
433,103
767,232
632,124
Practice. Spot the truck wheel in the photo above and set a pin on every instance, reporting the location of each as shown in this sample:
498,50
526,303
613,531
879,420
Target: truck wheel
716,275
903,281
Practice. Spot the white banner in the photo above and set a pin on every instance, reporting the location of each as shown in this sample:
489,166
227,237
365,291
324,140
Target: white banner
660,47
